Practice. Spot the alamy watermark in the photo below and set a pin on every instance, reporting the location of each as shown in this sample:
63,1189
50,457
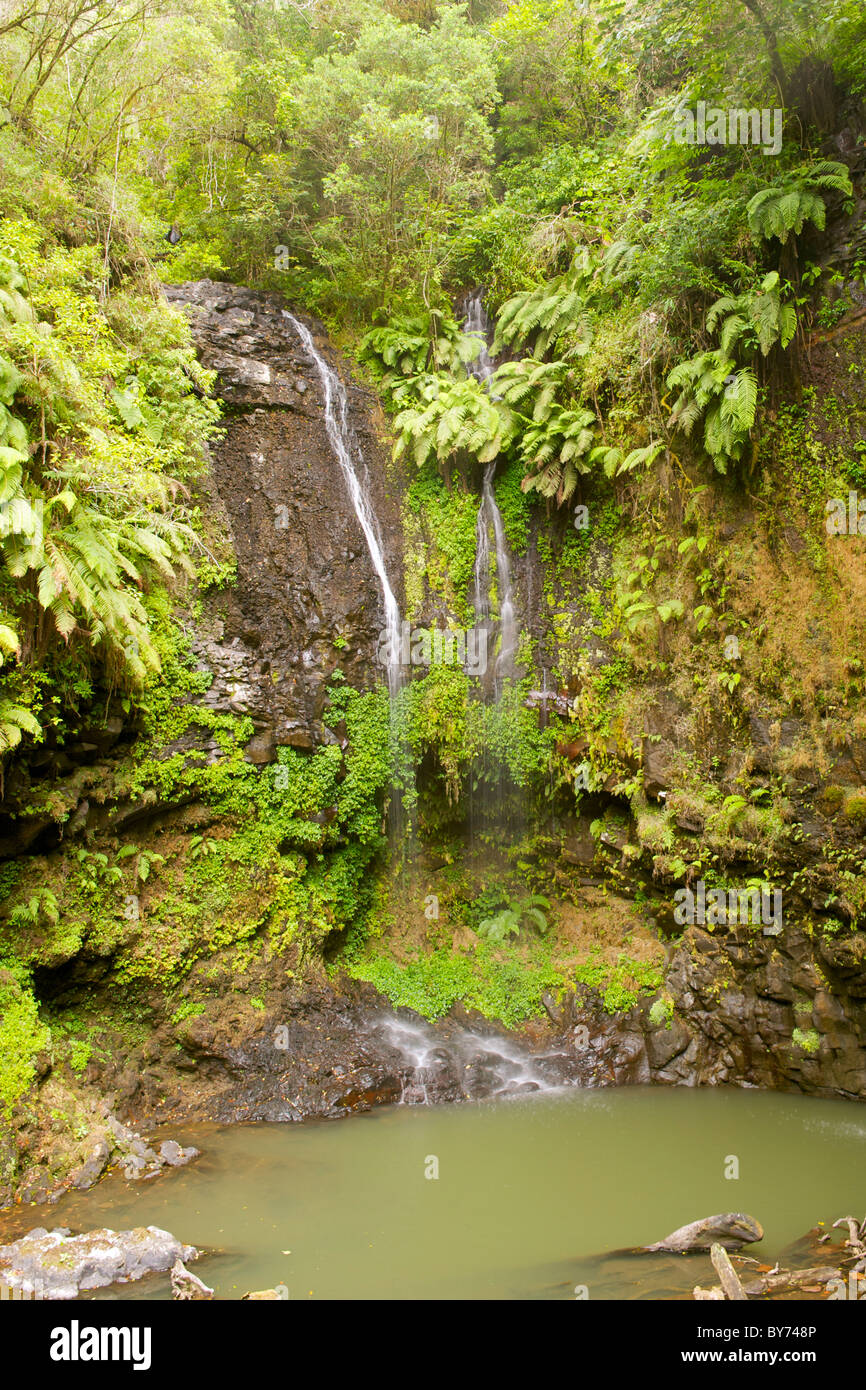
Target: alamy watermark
845,519
855,1289
9,1293
466,647
732,906
712,125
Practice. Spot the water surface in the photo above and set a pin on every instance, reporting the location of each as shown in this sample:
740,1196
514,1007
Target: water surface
531,1192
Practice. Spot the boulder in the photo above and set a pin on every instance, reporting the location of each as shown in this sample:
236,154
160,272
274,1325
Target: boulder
58,1265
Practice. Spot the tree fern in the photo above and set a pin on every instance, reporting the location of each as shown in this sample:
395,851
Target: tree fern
552,312
407,350
556,451
452,416
755,319
783,209
86,525
15,721
720,386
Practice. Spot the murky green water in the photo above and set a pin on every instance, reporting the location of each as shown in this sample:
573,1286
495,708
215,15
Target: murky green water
530,1192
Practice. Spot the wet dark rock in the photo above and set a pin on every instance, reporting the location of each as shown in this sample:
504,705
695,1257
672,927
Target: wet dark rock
740,996
552,1009
262,748
579,848
664,735
305,577
768,737
665,1043
658,762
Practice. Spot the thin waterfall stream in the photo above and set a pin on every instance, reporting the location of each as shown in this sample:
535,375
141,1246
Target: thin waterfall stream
490,519
343,444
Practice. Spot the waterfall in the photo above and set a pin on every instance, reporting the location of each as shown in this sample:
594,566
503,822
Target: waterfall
490,518
489,512
343,446
459,1064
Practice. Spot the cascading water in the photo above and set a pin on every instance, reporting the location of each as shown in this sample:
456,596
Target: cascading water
490,519
343,444
467,1065
489,511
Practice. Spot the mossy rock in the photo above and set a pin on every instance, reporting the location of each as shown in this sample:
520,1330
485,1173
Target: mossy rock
830,799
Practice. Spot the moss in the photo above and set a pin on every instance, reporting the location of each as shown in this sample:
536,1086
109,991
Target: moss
515,506
448,518
22,1037
287,863
661,1012
619,985
809,1040
501,984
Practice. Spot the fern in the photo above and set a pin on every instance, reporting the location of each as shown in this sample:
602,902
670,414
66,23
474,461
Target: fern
509,919
406,351
80,544
783,209
718,390
453,416
15,721
754,320
549,314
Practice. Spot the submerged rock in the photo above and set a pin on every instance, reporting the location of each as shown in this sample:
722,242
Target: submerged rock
730,1230
55,1264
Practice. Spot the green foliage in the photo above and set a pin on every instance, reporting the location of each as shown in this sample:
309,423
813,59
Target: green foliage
448,518
809,1040
515,506
89,518
200,846
375,166
712,385
552,315
80,1053
501,984
22,1036
513,916
453,416
754,320
555,442
661,1012
41,908
407,350
621,984
782,209
470,743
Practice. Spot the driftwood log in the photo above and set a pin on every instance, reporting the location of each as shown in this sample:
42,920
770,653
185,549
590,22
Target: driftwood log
785,1281
728,1276
852,1257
